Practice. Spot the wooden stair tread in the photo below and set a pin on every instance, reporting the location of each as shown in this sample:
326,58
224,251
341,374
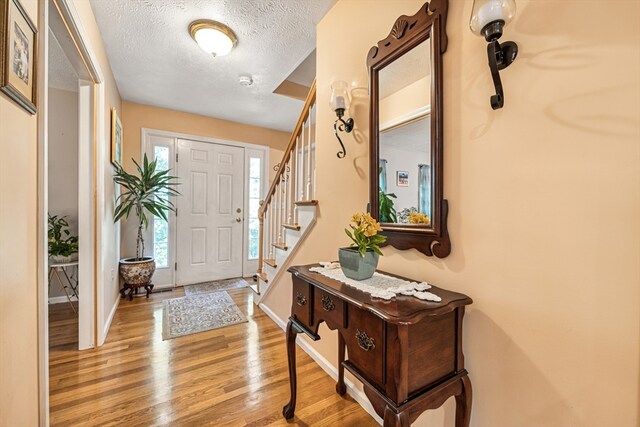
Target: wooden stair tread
263,276
292,226
282,246
306,202
271,262
255,288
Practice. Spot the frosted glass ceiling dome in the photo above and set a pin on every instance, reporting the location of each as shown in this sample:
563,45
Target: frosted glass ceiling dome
213,37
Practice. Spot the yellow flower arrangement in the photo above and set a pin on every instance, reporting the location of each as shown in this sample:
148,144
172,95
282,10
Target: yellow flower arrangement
419,218
364,233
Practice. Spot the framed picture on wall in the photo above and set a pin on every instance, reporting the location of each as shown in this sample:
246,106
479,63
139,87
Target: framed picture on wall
116,138
18,55
402,179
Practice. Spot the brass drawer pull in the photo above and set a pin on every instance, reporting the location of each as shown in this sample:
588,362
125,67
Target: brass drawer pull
301,299
364,341
327,304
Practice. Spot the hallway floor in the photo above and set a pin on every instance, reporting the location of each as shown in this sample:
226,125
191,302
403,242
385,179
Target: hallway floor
233,376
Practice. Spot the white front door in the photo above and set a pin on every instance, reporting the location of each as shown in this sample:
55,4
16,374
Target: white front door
210,212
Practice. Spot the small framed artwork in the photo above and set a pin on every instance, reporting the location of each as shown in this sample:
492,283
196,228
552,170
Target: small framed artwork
402,179
18,54
116,138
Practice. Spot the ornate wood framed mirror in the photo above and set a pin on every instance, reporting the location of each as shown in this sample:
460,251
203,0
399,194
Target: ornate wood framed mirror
406,139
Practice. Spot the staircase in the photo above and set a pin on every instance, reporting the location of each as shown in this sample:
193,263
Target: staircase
288,212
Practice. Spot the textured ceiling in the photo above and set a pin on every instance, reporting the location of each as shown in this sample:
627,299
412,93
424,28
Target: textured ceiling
409,68
155,61
412,137
61,73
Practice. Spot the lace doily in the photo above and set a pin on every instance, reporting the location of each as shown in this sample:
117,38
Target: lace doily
379,285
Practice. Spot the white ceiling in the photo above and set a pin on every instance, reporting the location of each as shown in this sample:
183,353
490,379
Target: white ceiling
409,68
61,72
412,137
155,61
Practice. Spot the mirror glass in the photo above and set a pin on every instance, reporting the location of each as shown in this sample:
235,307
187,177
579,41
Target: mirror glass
405,167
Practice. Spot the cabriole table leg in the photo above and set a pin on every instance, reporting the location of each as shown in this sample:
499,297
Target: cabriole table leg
291,333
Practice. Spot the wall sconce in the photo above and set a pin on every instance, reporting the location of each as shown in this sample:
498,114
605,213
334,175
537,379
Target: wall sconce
339,103
488,18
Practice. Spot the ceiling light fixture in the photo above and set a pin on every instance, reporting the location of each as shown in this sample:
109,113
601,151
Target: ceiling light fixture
213,37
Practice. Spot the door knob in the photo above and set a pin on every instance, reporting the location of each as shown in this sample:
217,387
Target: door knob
238,219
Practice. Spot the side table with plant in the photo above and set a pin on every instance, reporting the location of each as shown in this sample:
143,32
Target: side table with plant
359,261
62,245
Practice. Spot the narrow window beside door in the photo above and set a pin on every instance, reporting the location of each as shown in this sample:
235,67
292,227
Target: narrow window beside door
160,226
255,184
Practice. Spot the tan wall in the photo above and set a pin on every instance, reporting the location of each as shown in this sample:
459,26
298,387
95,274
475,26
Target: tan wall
18,254
407,100
18,248
138,116
109,246
544,198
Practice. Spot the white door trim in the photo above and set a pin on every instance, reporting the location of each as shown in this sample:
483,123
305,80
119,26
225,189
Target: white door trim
66,20
145,147
250,267
179,135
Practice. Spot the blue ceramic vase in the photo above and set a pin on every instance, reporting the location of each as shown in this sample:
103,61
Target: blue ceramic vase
355,266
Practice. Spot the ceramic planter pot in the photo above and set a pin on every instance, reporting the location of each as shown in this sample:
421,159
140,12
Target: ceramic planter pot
355,266
137,272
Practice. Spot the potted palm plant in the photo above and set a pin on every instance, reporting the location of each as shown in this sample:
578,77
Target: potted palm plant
145,194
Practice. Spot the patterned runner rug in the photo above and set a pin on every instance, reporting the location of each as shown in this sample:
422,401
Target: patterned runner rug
198,313
215,286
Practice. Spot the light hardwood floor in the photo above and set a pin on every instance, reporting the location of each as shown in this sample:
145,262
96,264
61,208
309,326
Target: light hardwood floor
233,376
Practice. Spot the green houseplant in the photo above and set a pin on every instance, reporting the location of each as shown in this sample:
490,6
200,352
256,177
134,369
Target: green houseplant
359,261
387,210
147,193
62,245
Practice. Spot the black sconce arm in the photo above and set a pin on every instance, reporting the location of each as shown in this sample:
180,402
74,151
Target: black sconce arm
343,126
500,57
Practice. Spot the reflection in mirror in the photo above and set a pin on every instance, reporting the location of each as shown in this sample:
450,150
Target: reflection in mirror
405,139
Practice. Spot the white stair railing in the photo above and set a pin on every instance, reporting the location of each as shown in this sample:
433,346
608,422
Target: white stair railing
292,186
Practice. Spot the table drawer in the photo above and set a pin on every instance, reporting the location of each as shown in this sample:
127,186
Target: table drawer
302,301
329,308
365,343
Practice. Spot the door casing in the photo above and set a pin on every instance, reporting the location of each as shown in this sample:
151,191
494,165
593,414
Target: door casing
147,147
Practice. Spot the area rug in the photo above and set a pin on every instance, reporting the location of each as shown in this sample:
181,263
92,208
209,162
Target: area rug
215,286
198,313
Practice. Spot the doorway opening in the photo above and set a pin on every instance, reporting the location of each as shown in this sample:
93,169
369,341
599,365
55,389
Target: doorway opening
63,237
60,21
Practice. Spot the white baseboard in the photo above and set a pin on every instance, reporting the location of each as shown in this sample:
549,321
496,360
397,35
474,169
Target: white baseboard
60,299
353,391
107,324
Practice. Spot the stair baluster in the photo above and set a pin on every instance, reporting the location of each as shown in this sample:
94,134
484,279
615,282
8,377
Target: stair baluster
293,183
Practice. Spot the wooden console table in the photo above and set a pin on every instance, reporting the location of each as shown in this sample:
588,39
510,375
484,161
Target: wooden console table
406,352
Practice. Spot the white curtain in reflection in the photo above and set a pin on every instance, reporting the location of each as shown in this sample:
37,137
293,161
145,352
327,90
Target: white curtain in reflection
383,175
424,189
